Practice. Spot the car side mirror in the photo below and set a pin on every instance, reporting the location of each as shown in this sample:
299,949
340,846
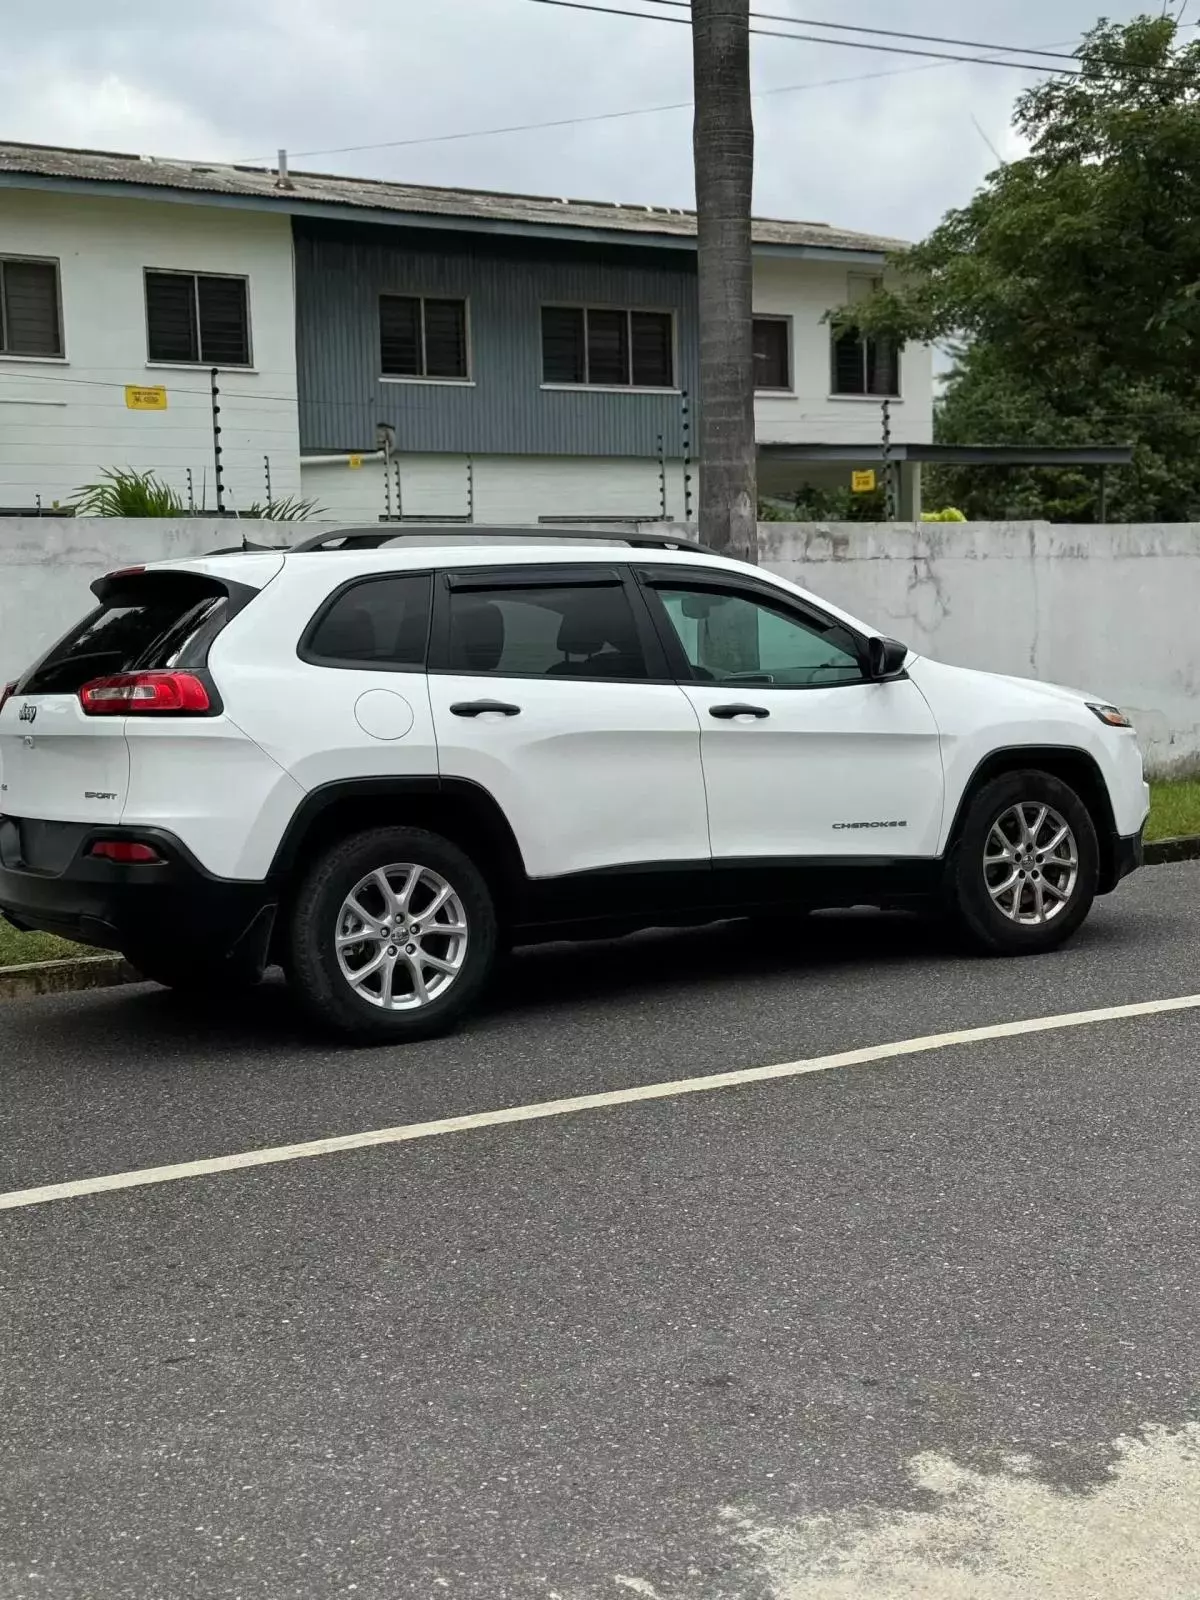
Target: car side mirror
885,658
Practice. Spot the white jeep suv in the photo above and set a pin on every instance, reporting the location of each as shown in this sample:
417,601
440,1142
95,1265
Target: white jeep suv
380,758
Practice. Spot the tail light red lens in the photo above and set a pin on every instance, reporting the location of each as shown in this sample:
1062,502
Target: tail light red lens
7,690
124,850
128,694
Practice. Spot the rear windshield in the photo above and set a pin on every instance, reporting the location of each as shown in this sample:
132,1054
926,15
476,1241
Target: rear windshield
156,620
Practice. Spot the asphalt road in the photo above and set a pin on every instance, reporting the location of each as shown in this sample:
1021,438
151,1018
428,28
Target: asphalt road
922,1327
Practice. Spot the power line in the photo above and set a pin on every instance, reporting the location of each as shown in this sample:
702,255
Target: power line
860,44
230,396
597,116
808,38
1049,52
673,105
884,33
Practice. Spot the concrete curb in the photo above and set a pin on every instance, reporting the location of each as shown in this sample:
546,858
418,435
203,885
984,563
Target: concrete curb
1184,848
60,977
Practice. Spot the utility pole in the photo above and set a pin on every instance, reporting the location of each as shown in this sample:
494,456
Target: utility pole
723,145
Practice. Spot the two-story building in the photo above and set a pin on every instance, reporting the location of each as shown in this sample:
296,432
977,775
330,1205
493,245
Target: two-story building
386,349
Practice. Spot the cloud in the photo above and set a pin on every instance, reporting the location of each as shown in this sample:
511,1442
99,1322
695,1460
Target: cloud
107,111
239,78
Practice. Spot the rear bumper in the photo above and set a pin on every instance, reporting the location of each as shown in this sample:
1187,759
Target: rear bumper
50,883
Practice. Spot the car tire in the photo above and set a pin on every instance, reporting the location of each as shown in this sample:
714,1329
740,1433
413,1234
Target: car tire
1024,873
380,886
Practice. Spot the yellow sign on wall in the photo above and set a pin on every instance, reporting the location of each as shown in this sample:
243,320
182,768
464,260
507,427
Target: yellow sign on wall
354,461
862,482
139,399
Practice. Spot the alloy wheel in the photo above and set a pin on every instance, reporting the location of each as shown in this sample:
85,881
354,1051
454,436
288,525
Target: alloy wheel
1031,863
401,937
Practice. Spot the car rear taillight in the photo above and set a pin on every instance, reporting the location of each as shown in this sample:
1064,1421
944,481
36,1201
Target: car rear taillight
124,850
128,694
6,693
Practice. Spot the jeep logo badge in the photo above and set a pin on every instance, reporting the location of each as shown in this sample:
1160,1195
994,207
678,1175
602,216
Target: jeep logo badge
27,713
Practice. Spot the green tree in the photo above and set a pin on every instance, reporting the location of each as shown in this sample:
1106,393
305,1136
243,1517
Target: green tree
1070,289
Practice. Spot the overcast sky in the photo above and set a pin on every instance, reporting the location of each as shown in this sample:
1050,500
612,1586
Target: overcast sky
235,79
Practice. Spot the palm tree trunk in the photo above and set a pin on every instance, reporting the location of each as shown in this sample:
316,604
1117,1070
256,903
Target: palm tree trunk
723,140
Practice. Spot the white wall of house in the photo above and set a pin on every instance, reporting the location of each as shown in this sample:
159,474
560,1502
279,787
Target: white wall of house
804,291
64,420
507,489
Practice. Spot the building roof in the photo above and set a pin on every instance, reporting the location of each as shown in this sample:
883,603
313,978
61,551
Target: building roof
370,199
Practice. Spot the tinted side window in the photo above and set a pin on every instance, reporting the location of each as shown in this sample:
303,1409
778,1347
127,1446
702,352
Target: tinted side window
588,632
381,622
731,637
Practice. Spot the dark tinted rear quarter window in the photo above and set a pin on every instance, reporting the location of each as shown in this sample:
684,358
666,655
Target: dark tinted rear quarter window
380,622
156,621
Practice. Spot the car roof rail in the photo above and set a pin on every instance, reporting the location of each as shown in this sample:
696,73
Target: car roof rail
248,549
372,538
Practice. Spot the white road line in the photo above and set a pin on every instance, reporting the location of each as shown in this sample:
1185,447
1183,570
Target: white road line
210,1166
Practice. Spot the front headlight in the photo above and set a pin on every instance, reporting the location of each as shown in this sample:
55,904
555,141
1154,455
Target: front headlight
1110,716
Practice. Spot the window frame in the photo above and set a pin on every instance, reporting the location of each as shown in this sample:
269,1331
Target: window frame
38,261
195,274
858,285
710,581
464,300
484,579
788,388
872,397
630,311
312,658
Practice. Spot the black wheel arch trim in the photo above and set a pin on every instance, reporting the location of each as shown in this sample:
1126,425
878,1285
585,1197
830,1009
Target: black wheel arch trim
1016,758
326,796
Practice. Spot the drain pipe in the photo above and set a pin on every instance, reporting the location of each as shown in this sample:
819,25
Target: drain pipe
342,458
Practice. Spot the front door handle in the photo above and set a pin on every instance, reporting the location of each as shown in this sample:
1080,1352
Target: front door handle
479,708
727,713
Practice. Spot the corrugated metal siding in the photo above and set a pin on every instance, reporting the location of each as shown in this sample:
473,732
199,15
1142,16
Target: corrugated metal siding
506,412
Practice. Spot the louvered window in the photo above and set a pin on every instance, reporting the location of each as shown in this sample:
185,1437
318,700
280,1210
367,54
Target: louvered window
864,365
422,338
30,313
200,317
610,349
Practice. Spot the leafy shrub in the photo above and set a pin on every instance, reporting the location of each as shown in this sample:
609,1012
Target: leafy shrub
128,494
290,509
813,503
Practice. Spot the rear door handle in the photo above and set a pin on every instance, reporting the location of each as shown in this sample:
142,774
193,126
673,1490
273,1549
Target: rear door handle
479,708
727,713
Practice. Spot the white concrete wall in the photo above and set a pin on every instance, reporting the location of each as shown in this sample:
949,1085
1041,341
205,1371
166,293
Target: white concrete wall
47,563
805,291
1106,609
63,420
507,489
